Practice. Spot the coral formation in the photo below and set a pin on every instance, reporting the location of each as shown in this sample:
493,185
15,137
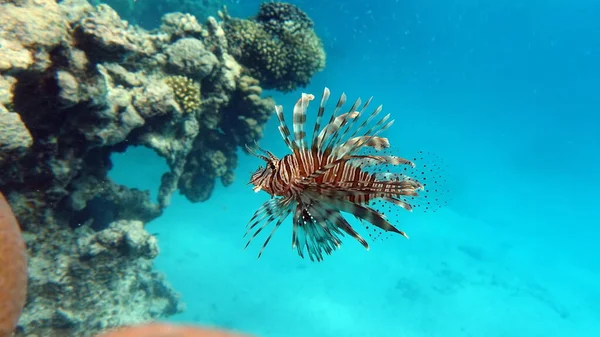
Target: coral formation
100,278
190,56
123,238
99,87
279,46
187,92
15,139
78,84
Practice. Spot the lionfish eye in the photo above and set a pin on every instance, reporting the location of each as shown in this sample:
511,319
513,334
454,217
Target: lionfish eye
271,165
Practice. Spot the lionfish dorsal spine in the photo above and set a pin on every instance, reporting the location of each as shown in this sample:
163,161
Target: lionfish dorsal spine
377,143
368,120
324,99
254,153
362,110
369,135
284,130
322,135
299,119
351,117
341,122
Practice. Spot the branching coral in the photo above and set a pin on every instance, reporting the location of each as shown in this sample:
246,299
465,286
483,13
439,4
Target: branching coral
278,47
187,92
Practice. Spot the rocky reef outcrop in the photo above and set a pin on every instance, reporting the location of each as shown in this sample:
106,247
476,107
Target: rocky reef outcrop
93,280
77,84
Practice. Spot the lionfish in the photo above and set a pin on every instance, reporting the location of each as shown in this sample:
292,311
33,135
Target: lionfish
318,181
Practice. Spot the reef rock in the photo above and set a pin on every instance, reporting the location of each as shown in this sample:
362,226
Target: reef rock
85,281
15,139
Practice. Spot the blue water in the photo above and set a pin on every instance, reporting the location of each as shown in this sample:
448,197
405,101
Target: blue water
507,92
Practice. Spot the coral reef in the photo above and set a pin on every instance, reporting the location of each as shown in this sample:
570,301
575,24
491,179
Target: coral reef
95,85
77,84
279,46
123,238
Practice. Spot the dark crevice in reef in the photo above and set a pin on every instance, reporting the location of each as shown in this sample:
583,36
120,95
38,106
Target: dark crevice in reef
35,99
99,211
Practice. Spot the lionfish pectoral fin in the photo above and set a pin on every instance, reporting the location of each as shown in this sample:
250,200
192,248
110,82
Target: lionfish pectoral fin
262,249
326,214
339,220
400,203
295,228
316,231
366,214
273,209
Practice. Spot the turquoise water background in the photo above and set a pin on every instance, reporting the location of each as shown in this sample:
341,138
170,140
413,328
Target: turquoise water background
508,94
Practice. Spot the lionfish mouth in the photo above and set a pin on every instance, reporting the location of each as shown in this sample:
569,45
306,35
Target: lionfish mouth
344,168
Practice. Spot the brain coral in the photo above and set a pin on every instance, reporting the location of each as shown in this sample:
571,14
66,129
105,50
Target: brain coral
278,47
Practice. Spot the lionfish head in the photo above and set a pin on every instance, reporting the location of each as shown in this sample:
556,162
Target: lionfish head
260,177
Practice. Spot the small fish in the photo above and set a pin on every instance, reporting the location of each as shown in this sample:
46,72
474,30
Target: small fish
319,180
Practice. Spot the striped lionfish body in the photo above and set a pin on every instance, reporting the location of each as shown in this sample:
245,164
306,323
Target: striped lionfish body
319,180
